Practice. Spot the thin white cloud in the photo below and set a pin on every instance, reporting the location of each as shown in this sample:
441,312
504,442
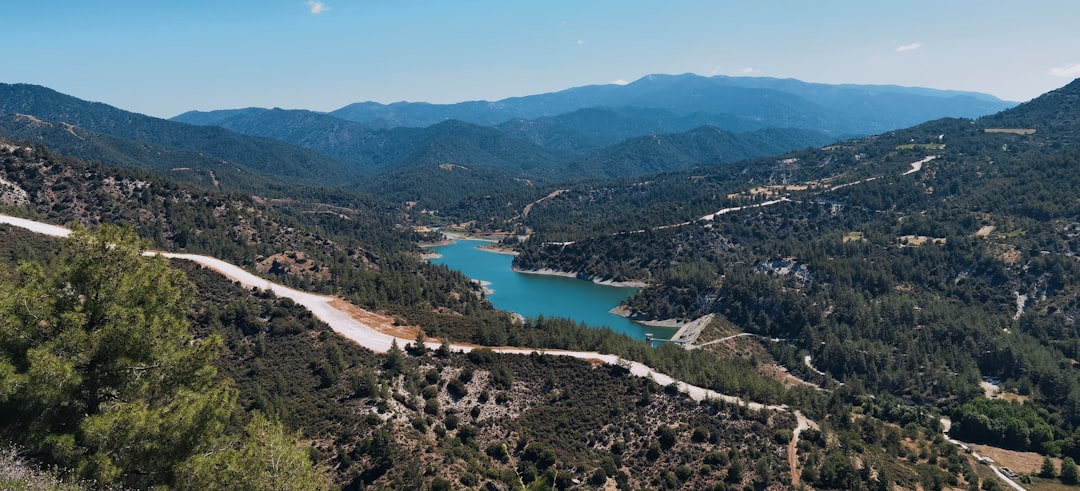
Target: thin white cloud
1066,71
908,47
745,71
620,81
580,42
316,7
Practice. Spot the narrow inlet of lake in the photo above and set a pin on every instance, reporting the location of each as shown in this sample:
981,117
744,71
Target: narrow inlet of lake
533,295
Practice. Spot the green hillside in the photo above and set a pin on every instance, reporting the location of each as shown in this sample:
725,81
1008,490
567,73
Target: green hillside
912,264
99,132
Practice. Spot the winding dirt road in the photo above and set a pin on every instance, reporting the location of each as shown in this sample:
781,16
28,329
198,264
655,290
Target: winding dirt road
946,425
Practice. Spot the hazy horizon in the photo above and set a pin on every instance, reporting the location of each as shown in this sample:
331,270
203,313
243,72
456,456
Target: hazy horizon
163,58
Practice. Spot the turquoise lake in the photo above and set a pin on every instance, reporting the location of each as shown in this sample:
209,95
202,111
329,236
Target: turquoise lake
532,295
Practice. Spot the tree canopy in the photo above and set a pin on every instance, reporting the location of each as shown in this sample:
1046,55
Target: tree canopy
99,371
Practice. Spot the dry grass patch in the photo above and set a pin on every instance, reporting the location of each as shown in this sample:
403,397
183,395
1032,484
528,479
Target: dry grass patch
853,236
1012,131
781,374
918,240
746,347
1038,484
1019,462
720,327
776,189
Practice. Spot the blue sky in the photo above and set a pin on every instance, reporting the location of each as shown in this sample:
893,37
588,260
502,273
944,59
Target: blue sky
164,57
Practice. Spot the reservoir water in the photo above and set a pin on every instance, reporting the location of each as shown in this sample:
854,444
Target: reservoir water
532,295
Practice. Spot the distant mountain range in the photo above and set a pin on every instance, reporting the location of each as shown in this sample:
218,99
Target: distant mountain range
659,123
744,103
597,131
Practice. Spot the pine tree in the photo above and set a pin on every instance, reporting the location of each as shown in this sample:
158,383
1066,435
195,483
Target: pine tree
99,372
103,375
1047,471
444,349
1069,473
267,458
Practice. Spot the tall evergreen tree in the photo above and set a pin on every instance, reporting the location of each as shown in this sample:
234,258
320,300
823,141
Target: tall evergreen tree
99,372
1070,474
102,374
1047,471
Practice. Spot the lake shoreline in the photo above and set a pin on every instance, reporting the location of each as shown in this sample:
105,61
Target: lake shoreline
623,311
591,279
495,248
451,237
543,293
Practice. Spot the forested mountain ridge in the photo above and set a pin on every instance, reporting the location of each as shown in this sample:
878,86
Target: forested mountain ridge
414,164
187,166
912,264
781,103
390,149
524,148
128,133
457,189
700,147
594,127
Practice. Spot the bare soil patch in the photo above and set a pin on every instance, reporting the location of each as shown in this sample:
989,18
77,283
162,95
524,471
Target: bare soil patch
380,322
1011,256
